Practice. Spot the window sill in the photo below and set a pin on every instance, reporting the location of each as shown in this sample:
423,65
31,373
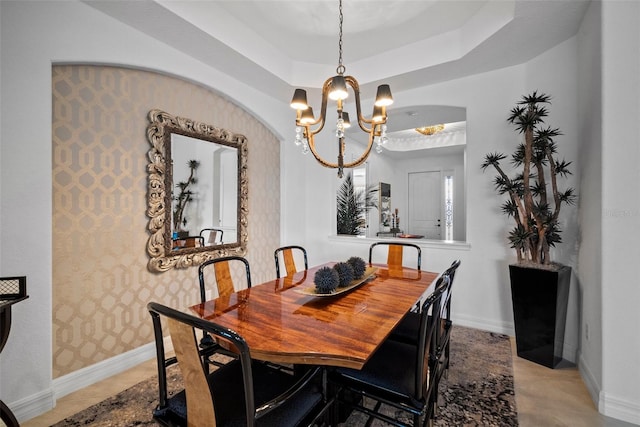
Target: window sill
423,243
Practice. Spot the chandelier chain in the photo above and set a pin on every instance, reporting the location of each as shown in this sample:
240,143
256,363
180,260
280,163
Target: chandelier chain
341,68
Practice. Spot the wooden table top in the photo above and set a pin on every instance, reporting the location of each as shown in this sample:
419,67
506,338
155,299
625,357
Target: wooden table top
282,325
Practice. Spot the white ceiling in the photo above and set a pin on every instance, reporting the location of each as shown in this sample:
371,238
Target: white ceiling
276,46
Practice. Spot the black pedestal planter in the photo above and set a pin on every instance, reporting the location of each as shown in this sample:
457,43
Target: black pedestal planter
540,300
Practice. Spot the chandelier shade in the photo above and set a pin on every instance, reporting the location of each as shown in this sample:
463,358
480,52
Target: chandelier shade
336,88
299,101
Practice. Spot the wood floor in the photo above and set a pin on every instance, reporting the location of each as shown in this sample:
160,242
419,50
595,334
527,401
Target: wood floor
544,397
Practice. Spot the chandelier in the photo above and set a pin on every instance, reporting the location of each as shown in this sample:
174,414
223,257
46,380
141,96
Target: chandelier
430,130
335,88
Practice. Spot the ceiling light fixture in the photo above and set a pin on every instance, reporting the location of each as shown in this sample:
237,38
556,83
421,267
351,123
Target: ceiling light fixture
430,130
335,88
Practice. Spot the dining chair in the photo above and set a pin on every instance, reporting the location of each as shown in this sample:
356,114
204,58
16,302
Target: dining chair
398,374
212,236
241,392
444,344
188,242
394,253
222,275
407,328
287,253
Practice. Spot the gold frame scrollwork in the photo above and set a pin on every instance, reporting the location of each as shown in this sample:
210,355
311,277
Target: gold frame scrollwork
162,257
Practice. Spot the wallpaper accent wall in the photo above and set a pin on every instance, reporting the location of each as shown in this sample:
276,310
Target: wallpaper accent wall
101,284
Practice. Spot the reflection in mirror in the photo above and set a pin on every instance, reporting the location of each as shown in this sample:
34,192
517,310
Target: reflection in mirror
197,197
355,199
425,172
205,198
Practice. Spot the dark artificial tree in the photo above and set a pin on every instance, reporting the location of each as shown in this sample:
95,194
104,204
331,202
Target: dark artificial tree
535,198
184,197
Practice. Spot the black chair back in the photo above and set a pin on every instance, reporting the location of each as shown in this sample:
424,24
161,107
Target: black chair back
223,275
288,259
212,235
430,321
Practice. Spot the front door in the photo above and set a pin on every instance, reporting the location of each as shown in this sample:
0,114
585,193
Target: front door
425,204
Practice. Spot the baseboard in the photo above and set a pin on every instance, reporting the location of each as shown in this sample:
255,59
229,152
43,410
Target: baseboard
92,374
483,324
620,409
608,405
39,403
589,381
32,406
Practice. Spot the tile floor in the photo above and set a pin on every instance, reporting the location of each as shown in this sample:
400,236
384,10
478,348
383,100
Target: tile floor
544,397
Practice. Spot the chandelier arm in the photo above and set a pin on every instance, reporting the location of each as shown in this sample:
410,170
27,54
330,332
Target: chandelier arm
360,160
351,81
323,162
323,111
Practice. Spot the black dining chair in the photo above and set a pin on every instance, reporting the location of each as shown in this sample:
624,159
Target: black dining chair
240,393
286,255
395,252
398,374
222,275
406,330
447,324
212,236
220,271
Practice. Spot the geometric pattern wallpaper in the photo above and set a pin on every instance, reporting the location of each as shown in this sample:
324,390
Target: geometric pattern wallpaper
101,284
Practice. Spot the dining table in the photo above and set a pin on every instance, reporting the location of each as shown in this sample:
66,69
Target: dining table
286,321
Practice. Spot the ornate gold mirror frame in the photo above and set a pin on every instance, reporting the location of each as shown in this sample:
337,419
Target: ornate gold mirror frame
160,247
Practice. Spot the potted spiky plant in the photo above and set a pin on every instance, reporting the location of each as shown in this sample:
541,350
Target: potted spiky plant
539,286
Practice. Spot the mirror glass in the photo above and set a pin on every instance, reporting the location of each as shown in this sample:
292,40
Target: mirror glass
197,199
205,193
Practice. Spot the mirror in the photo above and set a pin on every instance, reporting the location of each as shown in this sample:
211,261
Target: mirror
197,199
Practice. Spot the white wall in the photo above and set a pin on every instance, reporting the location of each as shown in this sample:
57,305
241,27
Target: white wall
589,269
33,36
620,395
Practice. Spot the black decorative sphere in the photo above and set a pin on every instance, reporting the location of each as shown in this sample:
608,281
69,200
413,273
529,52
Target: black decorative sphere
345,272
326,280
358,265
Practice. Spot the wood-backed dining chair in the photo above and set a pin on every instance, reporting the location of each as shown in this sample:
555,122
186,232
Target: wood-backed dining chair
240,393
395,253
287,253
212,236
188,242
222,275
219,271
398,374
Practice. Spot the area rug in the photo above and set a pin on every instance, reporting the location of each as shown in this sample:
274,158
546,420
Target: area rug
479,390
